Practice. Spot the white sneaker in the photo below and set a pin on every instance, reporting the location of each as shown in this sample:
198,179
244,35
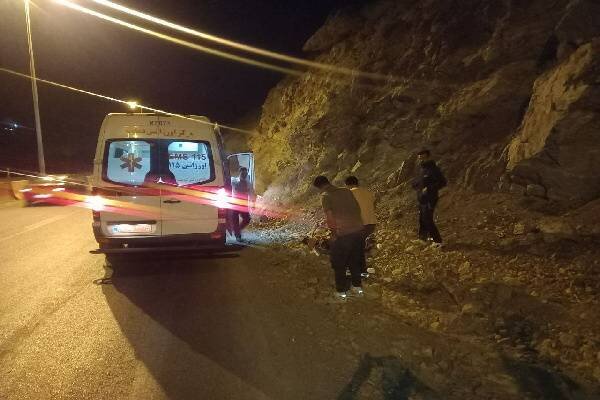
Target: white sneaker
355,291
339,297
364,275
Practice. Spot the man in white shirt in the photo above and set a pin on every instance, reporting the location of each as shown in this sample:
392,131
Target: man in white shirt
366,201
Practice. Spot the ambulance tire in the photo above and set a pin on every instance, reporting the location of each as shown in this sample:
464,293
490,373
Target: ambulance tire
114,261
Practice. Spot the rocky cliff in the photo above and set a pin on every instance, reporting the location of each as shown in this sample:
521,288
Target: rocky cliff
506,94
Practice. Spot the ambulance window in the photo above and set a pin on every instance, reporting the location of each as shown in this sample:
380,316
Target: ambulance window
190,162
128,161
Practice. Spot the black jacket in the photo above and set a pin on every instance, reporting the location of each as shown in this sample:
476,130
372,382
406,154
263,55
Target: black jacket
429,176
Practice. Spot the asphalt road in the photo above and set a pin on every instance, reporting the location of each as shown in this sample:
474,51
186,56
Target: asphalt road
180,328
249,325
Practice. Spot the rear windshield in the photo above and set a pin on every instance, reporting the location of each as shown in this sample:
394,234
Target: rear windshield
180,162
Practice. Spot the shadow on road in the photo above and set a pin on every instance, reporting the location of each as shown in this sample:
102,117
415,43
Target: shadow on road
397,381
228,326
217,327
543,382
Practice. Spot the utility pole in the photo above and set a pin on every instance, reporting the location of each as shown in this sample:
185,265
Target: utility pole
36,107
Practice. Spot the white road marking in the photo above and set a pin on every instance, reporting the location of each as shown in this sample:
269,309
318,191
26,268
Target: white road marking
37,225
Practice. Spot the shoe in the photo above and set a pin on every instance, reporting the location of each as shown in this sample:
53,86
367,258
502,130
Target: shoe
339,297
356,291
238,238
364,275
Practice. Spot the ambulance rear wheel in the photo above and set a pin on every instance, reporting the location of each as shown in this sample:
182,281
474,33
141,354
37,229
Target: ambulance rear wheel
114,261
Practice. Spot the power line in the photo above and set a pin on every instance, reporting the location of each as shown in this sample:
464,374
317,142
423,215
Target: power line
240,46
125,102
178,41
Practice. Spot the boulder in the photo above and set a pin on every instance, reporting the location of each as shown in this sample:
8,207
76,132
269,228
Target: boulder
535,190
557,144
517,189
567,339
519,229
372,291
556,226
465,268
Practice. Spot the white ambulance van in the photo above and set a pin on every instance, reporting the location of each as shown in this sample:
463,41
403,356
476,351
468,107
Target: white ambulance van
161,183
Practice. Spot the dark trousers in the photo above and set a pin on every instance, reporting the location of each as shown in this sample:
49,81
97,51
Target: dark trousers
367,231
347,251
427,228
235,221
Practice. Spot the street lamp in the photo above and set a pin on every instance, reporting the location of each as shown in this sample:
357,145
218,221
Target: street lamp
36,108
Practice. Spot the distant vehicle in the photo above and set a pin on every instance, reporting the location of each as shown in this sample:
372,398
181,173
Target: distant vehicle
50,189
160,183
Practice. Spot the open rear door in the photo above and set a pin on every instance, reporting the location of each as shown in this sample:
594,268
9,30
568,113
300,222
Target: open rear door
242,160
239,160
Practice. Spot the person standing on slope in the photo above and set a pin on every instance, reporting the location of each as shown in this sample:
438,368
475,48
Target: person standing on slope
427,183
342,214
366,201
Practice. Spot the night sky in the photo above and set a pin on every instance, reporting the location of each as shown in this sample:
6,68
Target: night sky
85,52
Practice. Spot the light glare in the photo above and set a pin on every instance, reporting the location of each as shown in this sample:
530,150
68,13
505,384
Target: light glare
236,45
96,202
221,200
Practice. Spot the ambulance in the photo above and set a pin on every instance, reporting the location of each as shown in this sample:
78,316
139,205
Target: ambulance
161,183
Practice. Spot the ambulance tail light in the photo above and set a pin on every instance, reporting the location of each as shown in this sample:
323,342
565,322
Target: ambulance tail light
222,198
222,204
96,204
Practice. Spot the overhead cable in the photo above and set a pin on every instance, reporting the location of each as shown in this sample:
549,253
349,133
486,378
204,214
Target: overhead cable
241,46
178,41
125,102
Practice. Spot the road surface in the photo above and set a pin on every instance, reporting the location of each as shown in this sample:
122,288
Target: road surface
248,325
181,328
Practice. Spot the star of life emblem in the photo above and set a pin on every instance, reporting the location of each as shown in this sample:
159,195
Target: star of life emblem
131,162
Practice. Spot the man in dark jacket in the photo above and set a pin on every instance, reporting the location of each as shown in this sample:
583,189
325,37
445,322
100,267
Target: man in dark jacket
427,183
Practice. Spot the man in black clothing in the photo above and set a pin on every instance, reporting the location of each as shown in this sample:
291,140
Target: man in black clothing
427,183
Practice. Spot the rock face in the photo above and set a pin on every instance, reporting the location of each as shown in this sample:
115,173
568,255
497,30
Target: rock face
504,93
557,143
